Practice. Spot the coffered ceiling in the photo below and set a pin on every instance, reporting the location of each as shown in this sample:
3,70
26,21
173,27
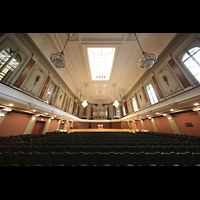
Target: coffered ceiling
125,71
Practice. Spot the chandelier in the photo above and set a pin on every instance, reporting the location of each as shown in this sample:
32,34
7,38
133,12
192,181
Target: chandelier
58,59
84,104
148,59
116,103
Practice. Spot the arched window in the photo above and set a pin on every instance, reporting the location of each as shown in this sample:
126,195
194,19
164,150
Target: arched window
151,93
135,107
191,60
9,60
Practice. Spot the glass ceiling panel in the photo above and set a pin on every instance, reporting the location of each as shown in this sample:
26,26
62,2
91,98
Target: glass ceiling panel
101,60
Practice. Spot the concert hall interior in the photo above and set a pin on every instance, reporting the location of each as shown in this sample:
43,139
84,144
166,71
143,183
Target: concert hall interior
60,84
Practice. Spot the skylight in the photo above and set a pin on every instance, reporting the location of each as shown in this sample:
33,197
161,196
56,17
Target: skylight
101,60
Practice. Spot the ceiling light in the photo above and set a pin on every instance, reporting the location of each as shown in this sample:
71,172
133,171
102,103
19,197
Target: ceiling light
33,118
84,104
10,104
100,61
34,110
58,59
116,103
7,109
171,109
196,109
157,113
196,104
148,59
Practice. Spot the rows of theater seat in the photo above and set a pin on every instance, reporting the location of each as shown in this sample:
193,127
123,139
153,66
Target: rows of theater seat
100,149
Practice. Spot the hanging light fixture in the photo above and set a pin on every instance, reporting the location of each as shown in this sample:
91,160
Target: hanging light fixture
84,104
148,59
58,59
116,103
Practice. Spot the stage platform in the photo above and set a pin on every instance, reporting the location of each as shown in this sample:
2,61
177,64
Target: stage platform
100,130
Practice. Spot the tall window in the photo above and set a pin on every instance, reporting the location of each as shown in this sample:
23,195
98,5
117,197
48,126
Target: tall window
66,104
151,93
191,60
124,110
118,112
9,60
135,107
50,93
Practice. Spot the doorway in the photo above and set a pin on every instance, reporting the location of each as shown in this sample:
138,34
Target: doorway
38,127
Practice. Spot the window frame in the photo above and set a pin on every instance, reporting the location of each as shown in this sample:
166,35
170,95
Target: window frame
7,65
191,56
134,103
123,110
177,56
50,96
155,94
9,40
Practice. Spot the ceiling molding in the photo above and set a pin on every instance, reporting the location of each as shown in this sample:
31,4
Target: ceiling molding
124,71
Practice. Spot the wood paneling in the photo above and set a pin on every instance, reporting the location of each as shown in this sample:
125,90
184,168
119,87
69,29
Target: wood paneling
157,87
179,74
131,105
14,124
148,125
125,105
45,87
188,117
139,124
69,104
63,101
24,74
163,125
137,100
145,95
56,95
53,125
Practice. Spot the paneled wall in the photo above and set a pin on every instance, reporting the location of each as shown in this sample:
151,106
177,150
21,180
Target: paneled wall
192,118
163,125
14,123
187,123
35,75
168,77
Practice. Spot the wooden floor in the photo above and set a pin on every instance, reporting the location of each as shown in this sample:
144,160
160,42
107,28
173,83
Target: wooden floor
100,130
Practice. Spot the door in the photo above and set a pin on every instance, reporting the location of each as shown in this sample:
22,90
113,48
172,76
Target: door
38,127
